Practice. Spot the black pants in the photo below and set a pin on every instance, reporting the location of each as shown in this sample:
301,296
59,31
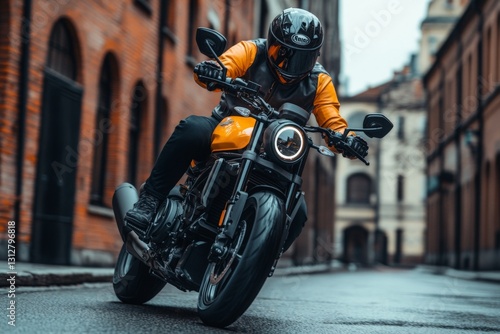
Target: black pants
191,140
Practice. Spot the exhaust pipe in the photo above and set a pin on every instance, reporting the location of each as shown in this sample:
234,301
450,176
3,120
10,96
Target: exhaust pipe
124,198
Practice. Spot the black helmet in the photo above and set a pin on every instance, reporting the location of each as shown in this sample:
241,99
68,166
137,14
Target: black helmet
293,42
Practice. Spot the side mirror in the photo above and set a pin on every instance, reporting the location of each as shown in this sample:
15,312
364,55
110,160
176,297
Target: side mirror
210,42
377,125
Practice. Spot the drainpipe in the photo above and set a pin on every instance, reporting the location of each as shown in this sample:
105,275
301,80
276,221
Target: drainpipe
378,178
479,157
458,167
22,108
382,102
159,78
458,173
227,16
441,230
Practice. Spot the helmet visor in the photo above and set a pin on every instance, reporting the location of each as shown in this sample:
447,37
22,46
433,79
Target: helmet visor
290,62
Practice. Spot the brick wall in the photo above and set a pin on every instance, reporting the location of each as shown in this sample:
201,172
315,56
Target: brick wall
130,34
9,66
470,238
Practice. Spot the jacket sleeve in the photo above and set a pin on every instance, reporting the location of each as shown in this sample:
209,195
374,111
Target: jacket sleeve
327,107
237,60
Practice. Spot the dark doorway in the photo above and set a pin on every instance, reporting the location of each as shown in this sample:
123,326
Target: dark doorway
356,245
56,172
398,255
381,247
58,154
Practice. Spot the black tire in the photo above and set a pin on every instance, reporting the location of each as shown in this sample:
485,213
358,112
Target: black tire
224,297
132,282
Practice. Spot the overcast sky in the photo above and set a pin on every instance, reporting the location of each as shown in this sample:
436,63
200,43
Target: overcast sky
378,37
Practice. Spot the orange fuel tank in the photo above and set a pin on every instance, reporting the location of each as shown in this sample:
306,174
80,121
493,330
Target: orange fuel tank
233,133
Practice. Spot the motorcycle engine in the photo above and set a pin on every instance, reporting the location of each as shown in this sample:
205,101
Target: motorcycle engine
167,221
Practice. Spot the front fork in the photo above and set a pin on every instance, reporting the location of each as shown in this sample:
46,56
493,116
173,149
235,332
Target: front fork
236,204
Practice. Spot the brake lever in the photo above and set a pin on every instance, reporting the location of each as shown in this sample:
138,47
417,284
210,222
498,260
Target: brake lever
366,162
332,135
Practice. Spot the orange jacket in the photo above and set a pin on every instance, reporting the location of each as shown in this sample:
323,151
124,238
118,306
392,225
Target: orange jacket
240,61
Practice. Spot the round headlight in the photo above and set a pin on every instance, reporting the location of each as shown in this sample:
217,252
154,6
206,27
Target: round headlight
285,142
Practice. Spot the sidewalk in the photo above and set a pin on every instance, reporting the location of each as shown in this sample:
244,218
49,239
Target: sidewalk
486,276
33,274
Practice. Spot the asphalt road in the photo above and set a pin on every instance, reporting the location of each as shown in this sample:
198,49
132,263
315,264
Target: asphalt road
371,301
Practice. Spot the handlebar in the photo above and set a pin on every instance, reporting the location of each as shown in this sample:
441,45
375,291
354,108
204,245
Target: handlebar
248,92
233,86
338,140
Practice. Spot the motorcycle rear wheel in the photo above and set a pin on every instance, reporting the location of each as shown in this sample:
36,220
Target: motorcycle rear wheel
132,282
228,288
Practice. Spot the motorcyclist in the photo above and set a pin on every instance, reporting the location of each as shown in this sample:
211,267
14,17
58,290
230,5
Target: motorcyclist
285,65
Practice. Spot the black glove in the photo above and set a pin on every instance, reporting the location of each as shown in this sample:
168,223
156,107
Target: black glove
357,144
210,69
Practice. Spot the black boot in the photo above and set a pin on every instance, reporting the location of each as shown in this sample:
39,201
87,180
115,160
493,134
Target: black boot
140,217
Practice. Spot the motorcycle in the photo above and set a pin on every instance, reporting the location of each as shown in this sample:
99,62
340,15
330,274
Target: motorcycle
222,232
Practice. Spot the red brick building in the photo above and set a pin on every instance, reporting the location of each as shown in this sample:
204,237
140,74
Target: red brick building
90,91
463,143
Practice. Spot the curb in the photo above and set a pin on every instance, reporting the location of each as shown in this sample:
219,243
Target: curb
36,275
485,276
27,274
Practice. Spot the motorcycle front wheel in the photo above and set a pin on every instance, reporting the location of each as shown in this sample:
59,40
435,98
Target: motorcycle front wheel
131,280
230,285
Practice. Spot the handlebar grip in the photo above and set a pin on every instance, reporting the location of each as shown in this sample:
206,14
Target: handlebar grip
211,86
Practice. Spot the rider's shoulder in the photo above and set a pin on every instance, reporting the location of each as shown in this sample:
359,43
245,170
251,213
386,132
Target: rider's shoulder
318,68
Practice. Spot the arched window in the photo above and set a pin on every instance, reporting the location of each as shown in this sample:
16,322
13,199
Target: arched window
139,100
55,182
99,167
61,56
359,189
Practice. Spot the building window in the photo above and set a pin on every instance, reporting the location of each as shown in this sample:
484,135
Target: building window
264,13
433,44
170,14
193,16
358,189
498,50
400,188
102,122
61,56
168,29
139,98
401,128
145,5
